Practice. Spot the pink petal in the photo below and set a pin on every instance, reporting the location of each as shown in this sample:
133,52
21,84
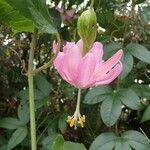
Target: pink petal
109,64
71,61
58,65
68,46
97,50
110,76
80,44
85,71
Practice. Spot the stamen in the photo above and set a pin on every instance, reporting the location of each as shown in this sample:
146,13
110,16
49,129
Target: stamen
76,119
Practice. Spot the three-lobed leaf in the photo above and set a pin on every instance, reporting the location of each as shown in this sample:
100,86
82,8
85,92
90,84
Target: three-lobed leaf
127,141
97,94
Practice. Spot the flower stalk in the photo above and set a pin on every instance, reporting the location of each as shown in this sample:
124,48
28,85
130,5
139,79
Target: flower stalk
77,118
92,3
31,91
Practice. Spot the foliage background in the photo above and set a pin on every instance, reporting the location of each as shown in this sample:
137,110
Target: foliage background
115,114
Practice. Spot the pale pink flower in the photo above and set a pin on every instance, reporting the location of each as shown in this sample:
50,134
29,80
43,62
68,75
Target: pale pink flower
66,15
84,71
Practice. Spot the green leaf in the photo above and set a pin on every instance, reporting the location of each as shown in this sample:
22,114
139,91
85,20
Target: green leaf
43,85
139,51
146,114
136,140
24,94
47,142
72,146
10,123
61,144
23,113
130,98
17,137
127,141
35,10
41,102
58,143
97,94
121,144
3,140
105,141
141,90
127,62
111,109
111,49
4,147
62,124
14,19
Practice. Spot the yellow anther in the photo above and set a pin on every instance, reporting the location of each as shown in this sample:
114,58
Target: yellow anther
83,118
69,119
76,119
72,122
81,122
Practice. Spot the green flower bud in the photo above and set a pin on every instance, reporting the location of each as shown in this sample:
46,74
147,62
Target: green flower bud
86,27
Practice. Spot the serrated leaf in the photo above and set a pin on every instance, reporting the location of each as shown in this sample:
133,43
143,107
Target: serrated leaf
97,94
17,137
10,123
146,114
139,51
130,99
127,62
111,109
43,85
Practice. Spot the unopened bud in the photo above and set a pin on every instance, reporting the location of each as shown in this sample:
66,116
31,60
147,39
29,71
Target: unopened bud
87,28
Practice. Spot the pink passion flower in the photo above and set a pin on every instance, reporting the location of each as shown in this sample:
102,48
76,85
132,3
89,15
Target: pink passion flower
89,70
